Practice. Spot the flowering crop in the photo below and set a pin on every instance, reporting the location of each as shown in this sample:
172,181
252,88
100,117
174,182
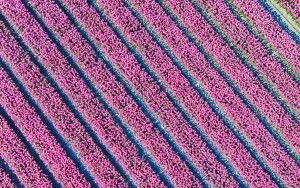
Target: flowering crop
161,93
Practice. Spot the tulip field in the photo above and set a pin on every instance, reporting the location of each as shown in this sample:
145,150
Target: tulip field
157,93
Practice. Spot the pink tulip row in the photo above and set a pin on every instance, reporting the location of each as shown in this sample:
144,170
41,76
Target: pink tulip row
255,51
234,68
271,31
36,132
21,162
160,63
56,110
57,21
292,7
5,180
115,94
149,91
216,87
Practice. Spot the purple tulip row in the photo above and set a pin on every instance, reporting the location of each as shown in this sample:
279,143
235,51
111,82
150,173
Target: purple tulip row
56,109
255,51
162,65
21,162
292,7
216,87
271,31
247,83
37,134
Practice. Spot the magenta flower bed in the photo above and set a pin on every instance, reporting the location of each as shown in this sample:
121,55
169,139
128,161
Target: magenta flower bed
112,93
